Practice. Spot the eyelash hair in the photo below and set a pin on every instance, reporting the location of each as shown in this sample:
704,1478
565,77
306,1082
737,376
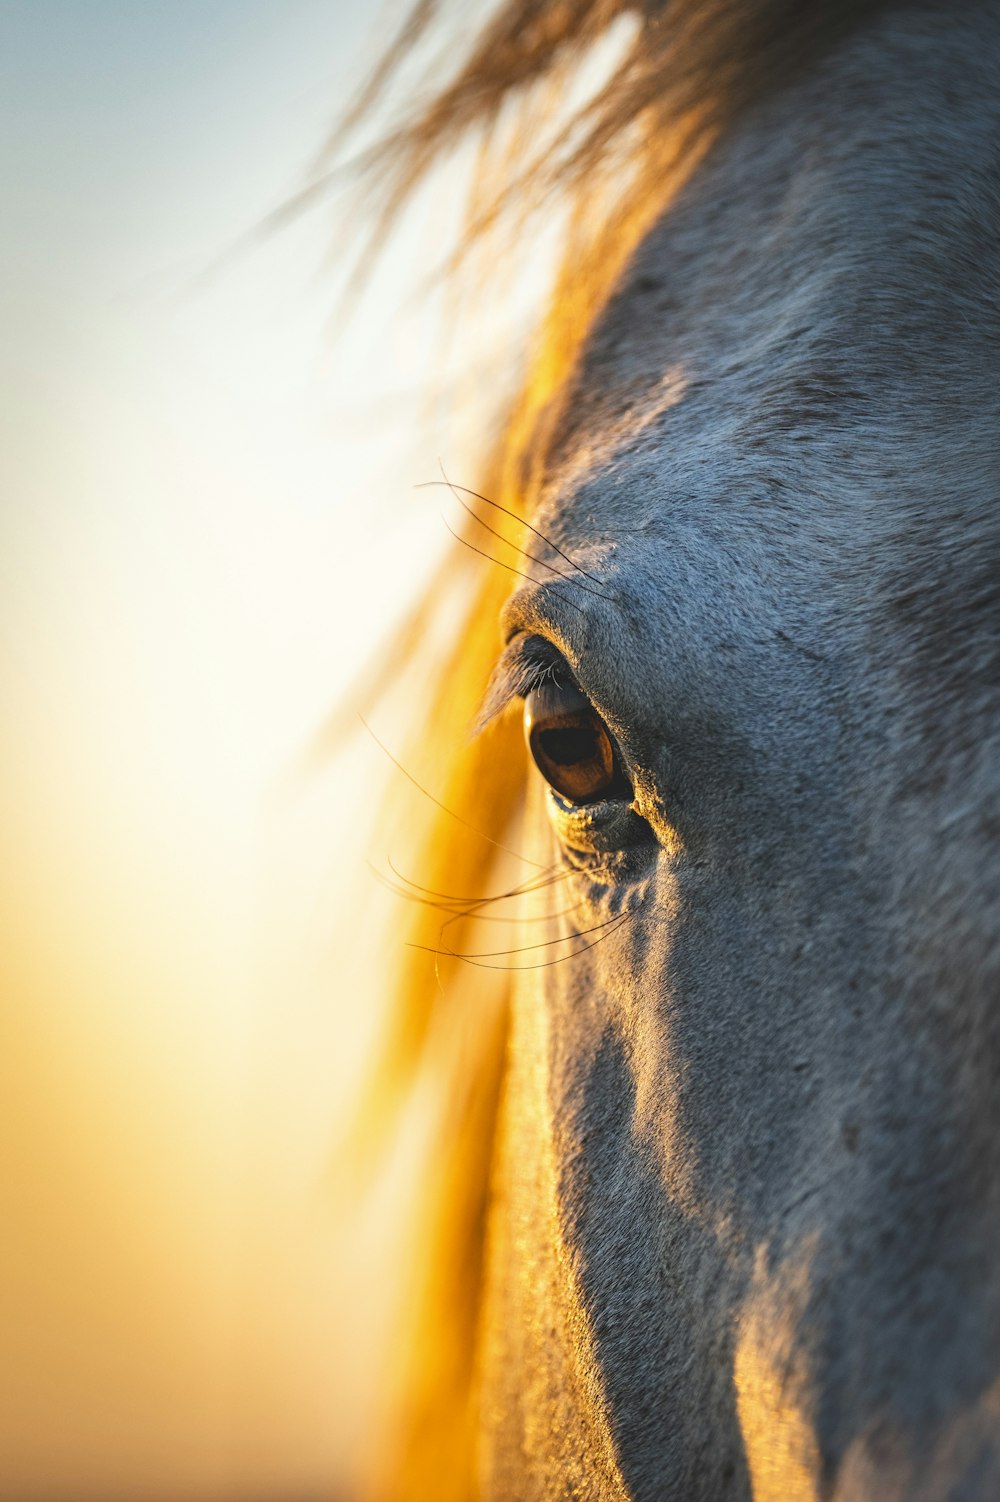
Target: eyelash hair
526,664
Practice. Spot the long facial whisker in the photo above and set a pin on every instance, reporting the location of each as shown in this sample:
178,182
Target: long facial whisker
470,906
443,807
496,954
399,890
473,911
542,965
509,567
523,552
474,915
463,911
563,912
548,876
594,578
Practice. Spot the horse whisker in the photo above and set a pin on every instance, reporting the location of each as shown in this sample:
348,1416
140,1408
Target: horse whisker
548,876
493,954
473,916
443,807
542,965
510,569
464,911
567,578
514,517
564,912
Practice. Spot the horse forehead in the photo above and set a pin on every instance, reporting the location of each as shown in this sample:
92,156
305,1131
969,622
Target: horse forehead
690,505
814,323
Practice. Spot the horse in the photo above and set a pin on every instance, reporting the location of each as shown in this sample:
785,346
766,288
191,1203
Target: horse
715,1207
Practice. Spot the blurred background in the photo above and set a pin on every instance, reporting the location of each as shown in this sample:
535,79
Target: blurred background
209,529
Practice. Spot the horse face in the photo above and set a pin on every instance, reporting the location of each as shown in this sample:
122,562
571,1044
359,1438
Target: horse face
748,1235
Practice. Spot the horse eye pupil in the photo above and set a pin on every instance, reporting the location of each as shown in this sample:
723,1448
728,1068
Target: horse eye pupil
569,747
571,744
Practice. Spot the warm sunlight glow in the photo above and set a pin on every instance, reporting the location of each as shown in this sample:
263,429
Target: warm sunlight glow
778,1438
209,528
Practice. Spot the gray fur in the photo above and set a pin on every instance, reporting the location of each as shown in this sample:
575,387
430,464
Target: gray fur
752,1141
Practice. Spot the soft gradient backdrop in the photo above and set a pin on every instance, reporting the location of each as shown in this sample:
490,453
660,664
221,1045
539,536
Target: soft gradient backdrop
208,528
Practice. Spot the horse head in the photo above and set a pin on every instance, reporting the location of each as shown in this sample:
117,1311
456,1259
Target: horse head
745,1236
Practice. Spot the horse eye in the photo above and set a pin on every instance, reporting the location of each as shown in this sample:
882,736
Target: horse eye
571,745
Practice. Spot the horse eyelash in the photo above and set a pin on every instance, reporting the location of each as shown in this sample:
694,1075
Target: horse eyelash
527,664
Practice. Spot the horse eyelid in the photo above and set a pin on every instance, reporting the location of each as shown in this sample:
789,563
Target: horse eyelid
526,663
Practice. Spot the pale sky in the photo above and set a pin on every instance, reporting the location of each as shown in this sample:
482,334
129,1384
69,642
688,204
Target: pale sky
208,524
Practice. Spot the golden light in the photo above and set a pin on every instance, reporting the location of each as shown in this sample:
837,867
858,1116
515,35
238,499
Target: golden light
208,528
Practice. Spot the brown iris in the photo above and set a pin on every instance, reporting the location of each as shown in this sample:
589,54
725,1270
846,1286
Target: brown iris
571,744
